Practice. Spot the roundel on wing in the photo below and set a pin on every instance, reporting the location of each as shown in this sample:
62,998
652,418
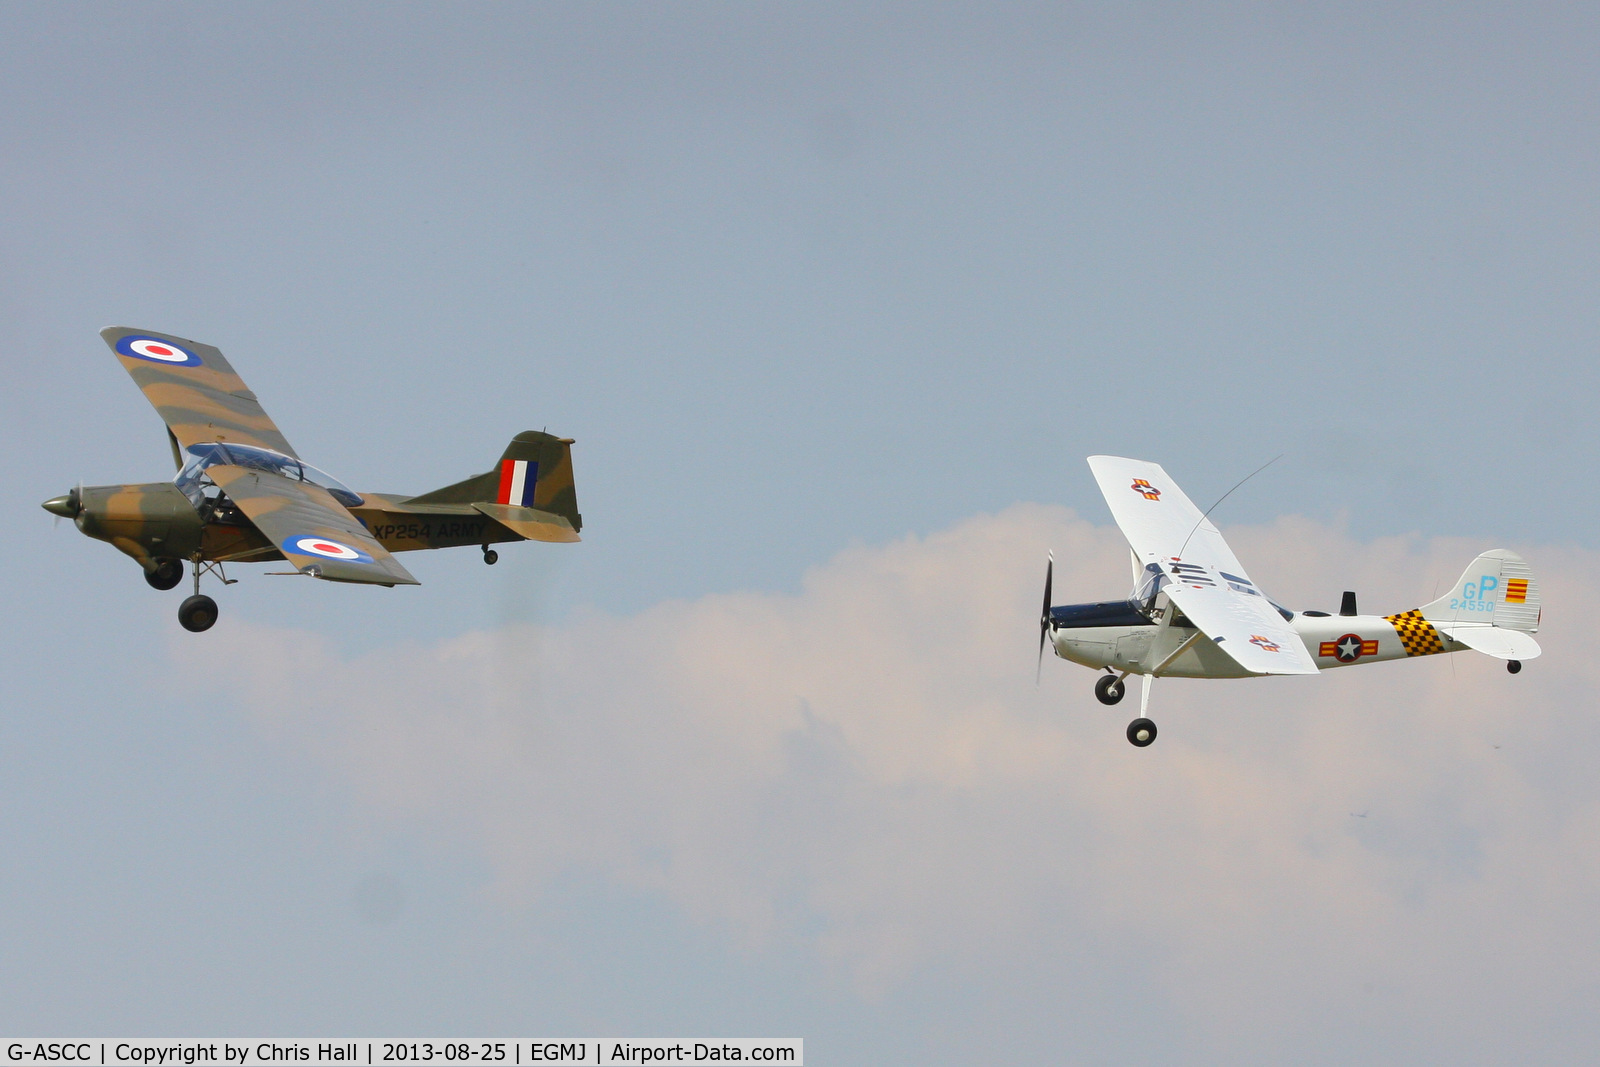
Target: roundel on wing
325,547
157,350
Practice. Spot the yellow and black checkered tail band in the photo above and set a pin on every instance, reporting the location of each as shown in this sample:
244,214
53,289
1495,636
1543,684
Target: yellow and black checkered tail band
1416,633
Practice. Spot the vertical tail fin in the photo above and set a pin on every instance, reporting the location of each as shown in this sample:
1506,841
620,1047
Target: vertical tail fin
535,471
1497,589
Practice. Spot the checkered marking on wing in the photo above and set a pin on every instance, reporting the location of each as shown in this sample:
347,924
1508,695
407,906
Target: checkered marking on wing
1417,635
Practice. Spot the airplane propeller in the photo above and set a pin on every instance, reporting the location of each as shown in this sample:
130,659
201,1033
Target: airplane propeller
1044,616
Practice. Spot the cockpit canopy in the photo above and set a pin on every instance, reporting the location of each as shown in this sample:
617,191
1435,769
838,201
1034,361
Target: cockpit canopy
192,478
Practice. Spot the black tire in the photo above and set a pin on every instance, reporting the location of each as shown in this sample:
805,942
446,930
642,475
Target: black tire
165,574
1513,665
491,557
197,613
1110,689
1141,733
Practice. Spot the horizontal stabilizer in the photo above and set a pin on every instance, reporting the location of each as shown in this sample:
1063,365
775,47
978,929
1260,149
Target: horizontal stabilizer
1496,641
531,523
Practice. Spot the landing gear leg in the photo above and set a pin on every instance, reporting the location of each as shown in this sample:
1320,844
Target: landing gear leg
1141,731
199,612
490,556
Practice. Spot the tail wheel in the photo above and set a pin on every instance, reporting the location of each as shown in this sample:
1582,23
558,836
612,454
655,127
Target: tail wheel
165,574
1141,733
197,613
1110,689
490,556
1513,665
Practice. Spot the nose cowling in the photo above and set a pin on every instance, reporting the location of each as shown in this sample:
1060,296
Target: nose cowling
67,506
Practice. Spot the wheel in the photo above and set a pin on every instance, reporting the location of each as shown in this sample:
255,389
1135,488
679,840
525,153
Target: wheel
1141,732
165,574
490,556
197,613
1109,689
1513,665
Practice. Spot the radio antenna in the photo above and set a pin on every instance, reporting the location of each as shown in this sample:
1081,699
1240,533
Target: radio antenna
1225,496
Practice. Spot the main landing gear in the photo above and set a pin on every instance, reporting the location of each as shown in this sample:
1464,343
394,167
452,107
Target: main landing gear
197,613
1111,688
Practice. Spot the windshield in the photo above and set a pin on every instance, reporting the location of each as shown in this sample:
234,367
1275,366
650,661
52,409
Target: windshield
192,478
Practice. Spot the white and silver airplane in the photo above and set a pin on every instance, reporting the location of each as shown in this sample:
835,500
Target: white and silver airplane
1195,613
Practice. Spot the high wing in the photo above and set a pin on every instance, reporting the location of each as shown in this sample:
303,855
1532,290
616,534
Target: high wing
1202,575
194,390
313,530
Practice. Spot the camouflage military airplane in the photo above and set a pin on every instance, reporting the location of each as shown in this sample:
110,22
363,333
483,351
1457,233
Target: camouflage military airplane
242,494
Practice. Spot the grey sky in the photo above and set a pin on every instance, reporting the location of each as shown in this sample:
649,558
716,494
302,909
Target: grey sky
799,279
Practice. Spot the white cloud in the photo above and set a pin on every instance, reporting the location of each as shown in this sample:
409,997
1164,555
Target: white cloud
867,769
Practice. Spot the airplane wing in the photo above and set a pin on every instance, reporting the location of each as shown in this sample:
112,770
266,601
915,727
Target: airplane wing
194,390
1201,574
313,530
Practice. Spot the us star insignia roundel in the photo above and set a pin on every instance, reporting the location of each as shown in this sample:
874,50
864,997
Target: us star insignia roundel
1348,648
1266,644
1145,489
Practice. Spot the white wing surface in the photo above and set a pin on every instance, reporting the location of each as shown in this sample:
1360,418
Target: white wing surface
1200,573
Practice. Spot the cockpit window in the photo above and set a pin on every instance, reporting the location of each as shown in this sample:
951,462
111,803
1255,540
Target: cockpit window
192,478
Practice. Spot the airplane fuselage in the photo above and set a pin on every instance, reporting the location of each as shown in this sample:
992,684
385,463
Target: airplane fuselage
155,520
1125,637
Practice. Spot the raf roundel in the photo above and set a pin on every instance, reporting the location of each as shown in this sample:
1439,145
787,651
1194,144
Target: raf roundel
157,350
326,548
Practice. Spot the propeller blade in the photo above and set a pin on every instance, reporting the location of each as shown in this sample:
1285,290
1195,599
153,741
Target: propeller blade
1044,616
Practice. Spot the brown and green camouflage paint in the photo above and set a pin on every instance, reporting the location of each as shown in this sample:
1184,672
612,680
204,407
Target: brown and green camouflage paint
203,400
206,402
